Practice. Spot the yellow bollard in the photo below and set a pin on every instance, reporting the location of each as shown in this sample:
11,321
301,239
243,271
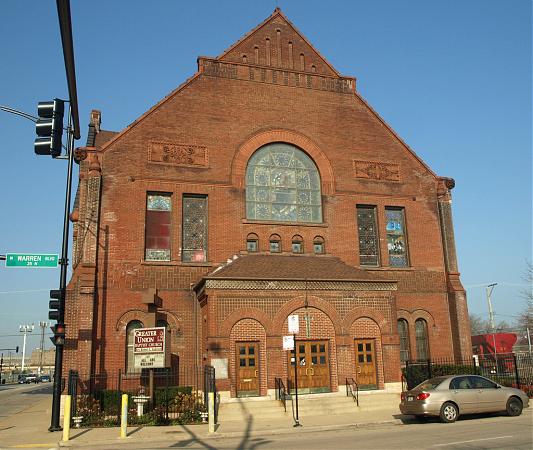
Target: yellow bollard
211,411
66,418
124,417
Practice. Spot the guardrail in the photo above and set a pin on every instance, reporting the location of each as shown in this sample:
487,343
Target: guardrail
352,388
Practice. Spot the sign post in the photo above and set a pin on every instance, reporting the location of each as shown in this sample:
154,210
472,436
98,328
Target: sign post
294,328
40,260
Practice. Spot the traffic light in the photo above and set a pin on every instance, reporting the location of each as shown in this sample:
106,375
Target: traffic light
59,334
49,127
54,304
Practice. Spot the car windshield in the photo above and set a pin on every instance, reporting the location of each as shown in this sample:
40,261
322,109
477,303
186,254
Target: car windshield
432,383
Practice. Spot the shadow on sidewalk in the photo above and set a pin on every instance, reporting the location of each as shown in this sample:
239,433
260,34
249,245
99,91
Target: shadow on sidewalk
246,443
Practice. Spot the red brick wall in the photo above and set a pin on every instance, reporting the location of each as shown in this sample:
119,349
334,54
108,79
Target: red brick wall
229,118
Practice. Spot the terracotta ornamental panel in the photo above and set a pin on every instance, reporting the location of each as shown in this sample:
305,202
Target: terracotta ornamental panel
376,170
187,155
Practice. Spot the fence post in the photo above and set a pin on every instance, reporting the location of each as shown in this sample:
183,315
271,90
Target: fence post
66,419
124,417
430,374
516,371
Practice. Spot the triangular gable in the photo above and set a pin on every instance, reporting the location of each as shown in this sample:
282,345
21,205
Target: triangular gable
277,43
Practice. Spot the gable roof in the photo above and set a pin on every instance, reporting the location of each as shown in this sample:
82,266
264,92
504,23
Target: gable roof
277,20
276,42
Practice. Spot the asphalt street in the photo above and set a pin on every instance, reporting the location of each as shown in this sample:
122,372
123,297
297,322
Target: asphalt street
15,398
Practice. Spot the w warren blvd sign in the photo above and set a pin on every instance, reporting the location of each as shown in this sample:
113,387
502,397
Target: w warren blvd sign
31,260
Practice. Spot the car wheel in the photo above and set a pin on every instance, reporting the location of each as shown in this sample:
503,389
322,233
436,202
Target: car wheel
514,406
449,412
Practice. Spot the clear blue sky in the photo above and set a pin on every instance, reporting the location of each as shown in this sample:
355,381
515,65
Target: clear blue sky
452,77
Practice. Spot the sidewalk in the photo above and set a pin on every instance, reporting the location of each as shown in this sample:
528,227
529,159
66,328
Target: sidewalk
29,429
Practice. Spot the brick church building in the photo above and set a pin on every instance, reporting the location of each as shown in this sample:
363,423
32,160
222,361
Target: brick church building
264,186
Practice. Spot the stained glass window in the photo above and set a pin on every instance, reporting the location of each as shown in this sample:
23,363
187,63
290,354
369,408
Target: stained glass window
194,229
368,235
282,184
275,244
421,333
403,331
157,227
297,244
252,243
318,245
132,326
396,241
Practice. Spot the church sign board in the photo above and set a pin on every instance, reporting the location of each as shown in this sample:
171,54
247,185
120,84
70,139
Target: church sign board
149,348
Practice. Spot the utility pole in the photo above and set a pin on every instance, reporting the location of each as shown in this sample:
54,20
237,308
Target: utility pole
489,290
25,329
42,325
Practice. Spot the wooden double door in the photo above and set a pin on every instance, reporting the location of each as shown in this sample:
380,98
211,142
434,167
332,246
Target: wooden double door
365,364
311,360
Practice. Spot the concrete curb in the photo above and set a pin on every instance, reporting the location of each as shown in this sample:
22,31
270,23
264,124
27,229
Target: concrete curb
224,435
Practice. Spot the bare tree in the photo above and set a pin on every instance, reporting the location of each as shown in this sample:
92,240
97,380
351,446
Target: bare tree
478,325
525,319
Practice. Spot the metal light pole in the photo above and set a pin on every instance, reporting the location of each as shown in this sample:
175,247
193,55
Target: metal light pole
489,289
25,329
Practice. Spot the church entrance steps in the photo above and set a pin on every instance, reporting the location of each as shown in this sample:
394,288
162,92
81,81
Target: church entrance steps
261,408
244,408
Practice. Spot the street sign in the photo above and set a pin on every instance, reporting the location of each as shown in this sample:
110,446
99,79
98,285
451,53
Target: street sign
288,342
149,348
38,260
294,326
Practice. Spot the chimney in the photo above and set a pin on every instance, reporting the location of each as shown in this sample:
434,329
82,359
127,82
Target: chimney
96,119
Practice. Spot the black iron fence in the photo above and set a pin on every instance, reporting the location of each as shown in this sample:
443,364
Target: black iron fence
509,369
155,397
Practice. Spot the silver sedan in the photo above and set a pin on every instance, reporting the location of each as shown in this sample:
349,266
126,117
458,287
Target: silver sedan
449,396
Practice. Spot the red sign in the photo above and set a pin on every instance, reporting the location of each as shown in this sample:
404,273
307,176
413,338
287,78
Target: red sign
149,340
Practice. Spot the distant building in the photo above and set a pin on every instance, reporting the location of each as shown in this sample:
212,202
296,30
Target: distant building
264,186
48,357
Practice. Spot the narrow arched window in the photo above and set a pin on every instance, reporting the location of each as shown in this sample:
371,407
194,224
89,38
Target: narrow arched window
403,331
275,244
297,244
252,243
422,344
132,326
283,184
318,245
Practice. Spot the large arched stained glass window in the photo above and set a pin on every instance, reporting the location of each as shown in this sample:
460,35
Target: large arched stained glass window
282,183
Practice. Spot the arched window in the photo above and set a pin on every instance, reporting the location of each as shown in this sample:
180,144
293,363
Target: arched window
422,345
318,245
275,243
283,184
161,323
252,243
133,325
403,331
297,244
